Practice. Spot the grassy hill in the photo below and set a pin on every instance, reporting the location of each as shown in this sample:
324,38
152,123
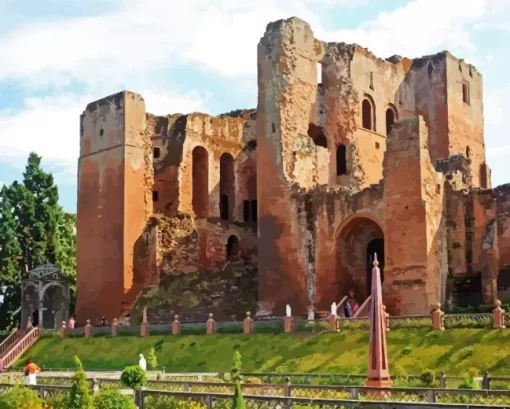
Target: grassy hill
410,352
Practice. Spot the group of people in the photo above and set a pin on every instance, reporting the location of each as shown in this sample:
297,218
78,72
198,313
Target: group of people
104,322
350,306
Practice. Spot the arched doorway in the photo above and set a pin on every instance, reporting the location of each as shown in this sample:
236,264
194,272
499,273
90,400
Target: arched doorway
357,242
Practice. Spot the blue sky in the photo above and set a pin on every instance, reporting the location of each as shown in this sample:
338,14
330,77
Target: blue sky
200,55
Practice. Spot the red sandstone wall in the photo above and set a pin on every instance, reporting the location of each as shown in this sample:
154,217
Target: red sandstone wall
465,120
112,202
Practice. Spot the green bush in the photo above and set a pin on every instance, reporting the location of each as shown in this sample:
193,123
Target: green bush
113,400
20,397
57,400
428,377
152,359
133,377
79,397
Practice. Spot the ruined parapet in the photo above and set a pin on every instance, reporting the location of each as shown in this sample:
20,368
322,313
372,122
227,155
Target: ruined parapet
115,178
416,258
457,170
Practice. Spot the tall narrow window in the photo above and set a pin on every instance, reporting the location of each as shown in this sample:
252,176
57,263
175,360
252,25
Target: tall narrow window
200,171
367,115
227,181
253,210
246,210
232,249
371,80
465,93
341,160
390,120
484,180
156,153
155,195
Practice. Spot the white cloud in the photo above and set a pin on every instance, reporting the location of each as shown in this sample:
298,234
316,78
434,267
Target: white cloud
124,47
50,125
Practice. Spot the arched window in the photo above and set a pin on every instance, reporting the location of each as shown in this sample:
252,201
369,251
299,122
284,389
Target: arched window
341,160
200,171
227,181
232,248
390,120
367,115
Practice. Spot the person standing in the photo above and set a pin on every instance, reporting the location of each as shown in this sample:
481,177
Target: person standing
31,370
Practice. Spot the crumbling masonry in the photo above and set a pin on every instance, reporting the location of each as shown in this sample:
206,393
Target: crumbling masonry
346,155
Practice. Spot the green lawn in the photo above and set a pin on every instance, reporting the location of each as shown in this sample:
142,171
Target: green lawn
410,352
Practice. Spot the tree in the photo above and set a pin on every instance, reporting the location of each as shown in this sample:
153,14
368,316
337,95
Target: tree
237,364
79,396
33,229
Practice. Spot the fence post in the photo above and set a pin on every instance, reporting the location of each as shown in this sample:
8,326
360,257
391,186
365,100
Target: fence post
208,401
499,316
248,323
438,318
88,329
139,401
62,331
176,326
332,323
442,380
144,328
486,381
386,318
210,325
286,387
115,323
431,396
287,324
95,386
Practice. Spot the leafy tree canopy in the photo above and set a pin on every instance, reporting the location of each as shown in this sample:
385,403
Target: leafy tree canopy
34,229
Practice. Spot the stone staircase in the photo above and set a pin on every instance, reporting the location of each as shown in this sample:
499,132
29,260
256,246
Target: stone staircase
16,344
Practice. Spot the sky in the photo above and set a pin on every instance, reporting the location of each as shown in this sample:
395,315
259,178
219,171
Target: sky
200,55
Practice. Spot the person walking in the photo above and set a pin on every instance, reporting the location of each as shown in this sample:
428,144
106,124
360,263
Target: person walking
31,370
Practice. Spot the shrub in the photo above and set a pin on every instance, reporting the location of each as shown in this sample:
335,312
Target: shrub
20,397
57,401
113,400
79,397
428,377
152,359
133,377
407,350
469,381
253,381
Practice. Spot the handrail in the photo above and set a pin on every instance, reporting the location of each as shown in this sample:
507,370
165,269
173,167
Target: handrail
7,342
363,306
341,303
19,348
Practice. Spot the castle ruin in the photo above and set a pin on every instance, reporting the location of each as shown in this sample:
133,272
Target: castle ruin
346,155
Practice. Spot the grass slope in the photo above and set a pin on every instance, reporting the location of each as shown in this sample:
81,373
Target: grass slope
410,352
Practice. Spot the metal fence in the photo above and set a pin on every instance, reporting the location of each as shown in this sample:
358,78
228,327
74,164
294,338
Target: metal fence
303,398
62,376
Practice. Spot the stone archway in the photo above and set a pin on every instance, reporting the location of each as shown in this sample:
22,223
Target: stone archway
45,294
358,240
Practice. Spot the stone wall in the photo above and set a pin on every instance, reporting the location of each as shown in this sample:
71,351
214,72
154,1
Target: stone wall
114,201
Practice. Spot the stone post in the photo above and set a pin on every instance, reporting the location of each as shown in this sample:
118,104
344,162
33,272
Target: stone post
88,329
62,331
115,323
499,315
144,328
287,324
176,326
332,322
386,318
211,325
378,367
248,323
438,318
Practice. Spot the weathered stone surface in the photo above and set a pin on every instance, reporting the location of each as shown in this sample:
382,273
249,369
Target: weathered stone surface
346,155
